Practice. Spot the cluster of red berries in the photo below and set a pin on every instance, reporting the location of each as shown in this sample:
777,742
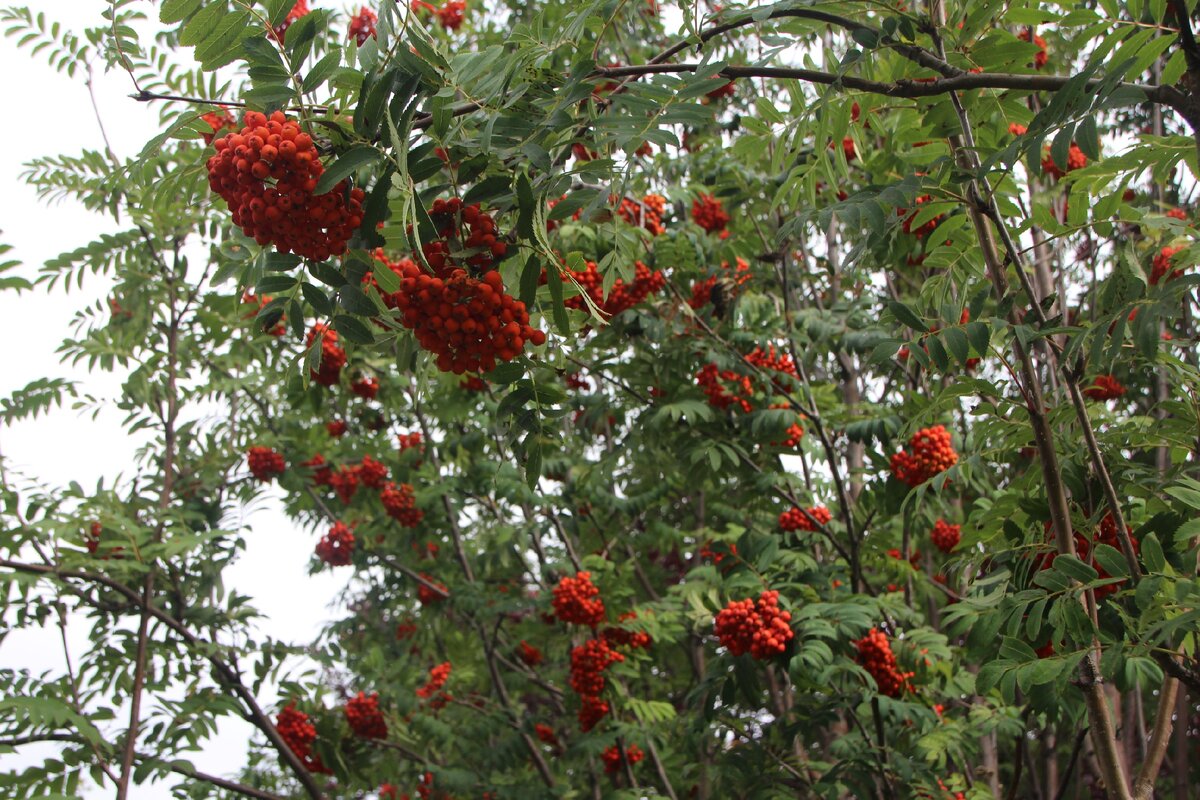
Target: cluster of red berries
932,453
298,11
759,628
706,552
434,592
529,654
588,662
473,384
468,324
265,464
336,546
623,637
409,441
702,291
285,213
438,676
299,734
1075,160
366,388
91,539
875,654
362,25
400,504
336,428
1106,534
709,213
545,734
1104,387
574,380
259,301
945,537
725,388
333,357
450,14
462,228
591,711
218,122
365,718
1041,57
1162,265
795,520
926,228
769,359
612,757
623,295
577,601
647,214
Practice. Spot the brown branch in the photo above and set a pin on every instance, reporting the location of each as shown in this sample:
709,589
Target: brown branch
1160,737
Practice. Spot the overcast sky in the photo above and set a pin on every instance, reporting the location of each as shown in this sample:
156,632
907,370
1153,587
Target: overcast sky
50,114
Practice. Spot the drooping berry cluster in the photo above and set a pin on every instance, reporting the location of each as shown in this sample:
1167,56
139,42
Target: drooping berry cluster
409,441
709,213
647,214
726,90
945,537
333,357
624,637
545,734
336,546
588,662
795,520
591,711
365,718
759,628
875,655
218,122
1075,160
372,473
284,212
1161,267
91,539
612,757
726,388
577,601
1041,57
449,15
438,676
298,11
467,237
1104,387
299,734
366,388
770,360
336,428
400,504
362,25
623,295
265,464
931,453
431,591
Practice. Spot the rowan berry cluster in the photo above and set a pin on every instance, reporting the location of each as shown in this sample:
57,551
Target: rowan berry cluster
725,388
362,25
366,388
875,655
409,441
265,464
218,122
647,214
322,473
400,504
545,734
1104,387
612,757
702,292
468,324
588,662
577,601
591,711
945,537
336,428
574,380
285,212
792,437
365,718
932,453
467,237
709,213
298,11
473,383
926,228
769,359
333,357
529,654
336,546
1105,534
1161,267
794,519
249,298
848,149
759,628
1041,57
1075,160
431,591
438,676
91,539
623,637
299,734
623,295
449,15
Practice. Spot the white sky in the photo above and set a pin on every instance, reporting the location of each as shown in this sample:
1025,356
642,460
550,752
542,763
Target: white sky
50,114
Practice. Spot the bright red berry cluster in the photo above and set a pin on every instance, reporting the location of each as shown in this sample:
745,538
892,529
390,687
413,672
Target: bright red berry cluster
450,14
467,237
265,464
400,505
647,214
945,537
409,441
529,654
336,428
285,212
875,654
1104,387
366,388
725,388
623,295
759,628
333,357
362,25
91,539
612,757
1041,57
794,519
1075,160
429,596
545,734
218,122
365,718
299,734
591,711
336,546
438,676
577,601
1162,264
298,11
709,213
623,637
588,662
931,453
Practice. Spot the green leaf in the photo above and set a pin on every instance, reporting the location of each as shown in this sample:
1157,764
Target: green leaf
1111,560
173,11
1189,496
357,156
201,26
1152,554
1072,567
355,300
525,207
353,329
907,316
956,342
